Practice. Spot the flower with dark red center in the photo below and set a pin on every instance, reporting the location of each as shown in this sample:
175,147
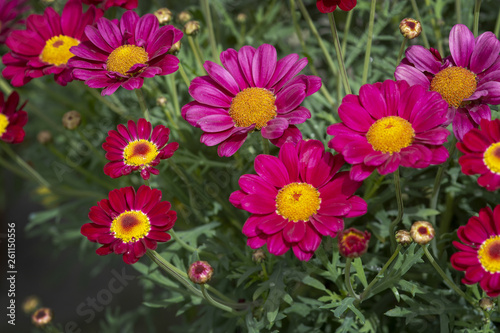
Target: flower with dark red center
122,53
136,147
42,317
422,232
328,6
353,243
44,47
12,121
200,272
10,12
129,223
479,255
296,198
481,156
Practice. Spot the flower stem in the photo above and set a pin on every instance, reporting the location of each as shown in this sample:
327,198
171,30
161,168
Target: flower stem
142,104
265,146
346,31
194,49
25,165
211,35
91,146
435,27
347,280
399,199
184,75
338,50
419,18
172,89
213,302
401,50
189,247
477,7
458,9
497,25
369,42
4,86
112,106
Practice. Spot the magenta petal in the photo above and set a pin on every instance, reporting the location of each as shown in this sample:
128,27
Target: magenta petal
294,231
272,223
311,240
485,52
263,64
423,59
253,184
461,45
220,75
258,204
274,128
272,170
204,90
300,254
215,123
276,244
411,75
288,155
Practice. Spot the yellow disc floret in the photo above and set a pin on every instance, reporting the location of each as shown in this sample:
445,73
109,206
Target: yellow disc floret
454,84
390,134
140,152
56,50
489,254
253,106
4,122
126,56
131,226
491,158
297,201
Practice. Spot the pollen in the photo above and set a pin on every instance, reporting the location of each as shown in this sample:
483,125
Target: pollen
390,134
140,152
454,84
297,201
253,106
491,157
56,50
489,254
125,57
131,226
4,123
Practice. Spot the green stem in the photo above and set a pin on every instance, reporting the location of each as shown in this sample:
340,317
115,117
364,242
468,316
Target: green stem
369,42
189,247
213,302
32,172
458,8
265,146
184,75
477,8
497,25
91,146
106,102
401,50
399,199
6,88
373,187
197,56
13,168
435,27
172,87
347,280
419,18
142,104
211,35
346,31
338,50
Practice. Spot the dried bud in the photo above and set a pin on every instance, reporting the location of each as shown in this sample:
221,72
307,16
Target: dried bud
422,232
486,304
30,304
258,256
410,28
71,119
353,243
200,272
241,18
403,237
175,48
44,137
161,101
42,317
184,16
164,15
192,28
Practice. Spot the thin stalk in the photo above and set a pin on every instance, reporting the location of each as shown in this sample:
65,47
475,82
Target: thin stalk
32,172
401,50
477,8
497,25
194,49
417,14
112,106
142,104
435,27
12,168
6,88
347,280
338,50
265,146
189,247
98,153
211,35
399,199
184,75
458,9
172,88
369,42
210,300
346,31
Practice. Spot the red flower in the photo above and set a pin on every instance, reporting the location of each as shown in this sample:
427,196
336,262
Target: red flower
353,243
328,6
12,120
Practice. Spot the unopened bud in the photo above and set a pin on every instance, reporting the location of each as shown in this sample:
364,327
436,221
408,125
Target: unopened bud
241,18
403,237
410,28
161,101
192,28
258,256
353,243
486,304
184,16
422,232
44,137
71,119
200,272
174,49
164,15
42,317
30,304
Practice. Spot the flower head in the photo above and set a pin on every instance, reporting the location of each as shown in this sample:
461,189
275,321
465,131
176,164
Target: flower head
403,237
200,272
44,47
122,53
137,147
30,304
71,119
389,125
253,91
129,223
296,198
410,28
12,121
479,255
328,6
353,243
481,156
42,317
467,80
10,11
422,232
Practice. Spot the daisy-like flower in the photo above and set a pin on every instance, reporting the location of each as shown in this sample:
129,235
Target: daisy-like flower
136,147
481,150
479,255
106,4
468,80
353,243
253,91
122,53
422,232
44,47
129,223
12,120
390,124
328,6
297,198
10,11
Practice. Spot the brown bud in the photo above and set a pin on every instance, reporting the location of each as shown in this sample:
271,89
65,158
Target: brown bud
71,119
164,15
241,18
44,137
184,16
30,304
410,28
486,304
422,232
258,256
403,237
192,28
42,317
161,101
175,48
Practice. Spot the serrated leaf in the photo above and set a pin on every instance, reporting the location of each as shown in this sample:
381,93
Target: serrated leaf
346,302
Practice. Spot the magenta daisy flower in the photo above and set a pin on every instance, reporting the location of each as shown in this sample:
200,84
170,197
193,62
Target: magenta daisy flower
129,223
468,79
253,91
481,150
390,124
479,255
296,198
123,53
12,120
44,47
137,148
10,11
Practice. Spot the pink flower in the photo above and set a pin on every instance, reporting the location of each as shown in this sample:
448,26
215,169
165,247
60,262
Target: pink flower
481,156
10,11
12,121
468,80
297,198
106,4
389,125
353,243
253,91
122,53
328,6
200,272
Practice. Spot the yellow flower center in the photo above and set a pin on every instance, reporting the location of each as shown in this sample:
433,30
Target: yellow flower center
253,106
489,254
4,122
130,226
126,56
390,134
297,201
56,50
140,152
454,84
491,157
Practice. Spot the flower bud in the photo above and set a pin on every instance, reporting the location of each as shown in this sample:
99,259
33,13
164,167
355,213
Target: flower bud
71,119
161,101
258,256
410,28
200,272
44,137
192,28
184,16
403,237
422,232
164,15
42,317
486,304
241,18
174,49
30,304
353,243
